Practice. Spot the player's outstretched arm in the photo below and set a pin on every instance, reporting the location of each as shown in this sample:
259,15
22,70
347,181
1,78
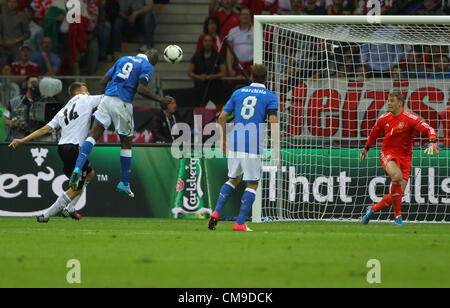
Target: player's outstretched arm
36,134
143,90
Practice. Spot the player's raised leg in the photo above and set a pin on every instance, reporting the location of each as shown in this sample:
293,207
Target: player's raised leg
125,162
86,149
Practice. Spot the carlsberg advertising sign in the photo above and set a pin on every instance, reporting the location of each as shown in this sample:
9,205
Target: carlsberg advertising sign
190,199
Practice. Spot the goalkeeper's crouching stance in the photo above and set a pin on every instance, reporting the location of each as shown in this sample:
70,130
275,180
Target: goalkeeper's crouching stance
399,127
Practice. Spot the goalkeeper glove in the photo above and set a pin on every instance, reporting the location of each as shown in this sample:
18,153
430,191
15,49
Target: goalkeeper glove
432,147
363,154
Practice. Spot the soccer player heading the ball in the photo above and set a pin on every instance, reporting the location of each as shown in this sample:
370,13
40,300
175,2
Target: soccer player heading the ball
128,76
251,105
399,127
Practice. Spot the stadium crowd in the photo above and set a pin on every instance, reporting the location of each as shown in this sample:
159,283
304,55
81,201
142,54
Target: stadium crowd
36,39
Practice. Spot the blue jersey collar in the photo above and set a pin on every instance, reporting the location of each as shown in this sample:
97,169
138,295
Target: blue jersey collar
141,55
257,85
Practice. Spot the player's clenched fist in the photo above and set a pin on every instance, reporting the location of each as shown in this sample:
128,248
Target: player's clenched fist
432,147
363,154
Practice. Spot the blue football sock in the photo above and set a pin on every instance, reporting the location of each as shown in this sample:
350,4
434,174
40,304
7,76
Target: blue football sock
85,150
125,162
225,193
246,205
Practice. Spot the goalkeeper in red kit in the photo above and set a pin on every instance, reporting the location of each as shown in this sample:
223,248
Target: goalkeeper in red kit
398,126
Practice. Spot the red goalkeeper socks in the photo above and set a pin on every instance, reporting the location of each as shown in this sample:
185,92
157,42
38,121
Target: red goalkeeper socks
397,194
384,203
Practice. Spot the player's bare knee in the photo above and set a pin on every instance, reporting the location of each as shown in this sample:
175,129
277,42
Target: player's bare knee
235,182
397,177
90,175
253,185
126,142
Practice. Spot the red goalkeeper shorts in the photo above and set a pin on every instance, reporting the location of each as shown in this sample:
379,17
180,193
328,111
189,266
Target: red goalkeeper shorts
404,163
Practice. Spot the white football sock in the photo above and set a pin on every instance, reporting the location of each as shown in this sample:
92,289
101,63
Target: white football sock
71,207
59,204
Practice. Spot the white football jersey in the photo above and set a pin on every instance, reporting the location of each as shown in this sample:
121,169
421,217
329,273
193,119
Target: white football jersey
75,118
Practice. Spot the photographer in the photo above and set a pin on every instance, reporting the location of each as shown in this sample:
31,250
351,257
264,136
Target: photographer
17,116
163,122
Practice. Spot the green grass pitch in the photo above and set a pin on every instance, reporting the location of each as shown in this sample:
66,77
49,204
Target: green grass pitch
124,252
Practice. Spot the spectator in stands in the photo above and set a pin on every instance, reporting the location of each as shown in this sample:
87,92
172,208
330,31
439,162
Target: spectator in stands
36,31
311,8
3,7
24,67
360,72
3,127
48,61
21,4
257,6
431,7
215,5
163,122
14,30
284,7
206,68
336,8
360,6
380,59
96,21
443,72
210,26
8,88
397,73
18,113
296,7
78,34
40,8
228,18
240,39
414,65
135,16
112,11
52,22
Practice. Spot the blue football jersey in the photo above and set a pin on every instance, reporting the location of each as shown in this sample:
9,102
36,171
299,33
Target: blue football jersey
125,74
250,106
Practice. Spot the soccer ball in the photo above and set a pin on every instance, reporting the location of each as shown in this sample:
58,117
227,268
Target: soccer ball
173,54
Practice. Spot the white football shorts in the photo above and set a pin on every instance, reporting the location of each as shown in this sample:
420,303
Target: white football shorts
242,163
113,110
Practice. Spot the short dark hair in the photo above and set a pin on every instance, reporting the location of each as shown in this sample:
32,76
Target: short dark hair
76,86
259,73
31,76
